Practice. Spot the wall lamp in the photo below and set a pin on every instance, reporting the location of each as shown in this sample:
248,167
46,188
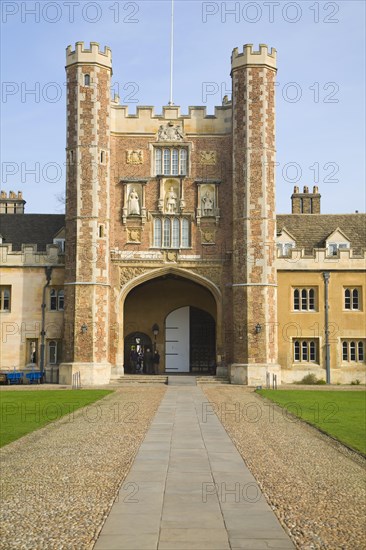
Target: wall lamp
155,330
258,328
84,328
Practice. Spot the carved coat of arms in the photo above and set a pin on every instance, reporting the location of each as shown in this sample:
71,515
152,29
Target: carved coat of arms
208,157
134,157
170,132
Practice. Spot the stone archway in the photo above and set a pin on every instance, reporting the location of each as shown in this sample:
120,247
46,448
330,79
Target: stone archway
148,298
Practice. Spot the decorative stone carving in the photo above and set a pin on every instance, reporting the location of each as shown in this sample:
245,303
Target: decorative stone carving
208,157
135,156
211,273
129,273
133,203
171,201
170,132
171,256
208,236
208,203
134,235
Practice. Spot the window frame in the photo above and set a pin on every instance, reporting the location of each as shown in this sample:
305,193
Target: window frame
174,232
284,249
56,299
5,296
352,298
305,350
55,346
171,161
61,244
353,350
334,248
305,299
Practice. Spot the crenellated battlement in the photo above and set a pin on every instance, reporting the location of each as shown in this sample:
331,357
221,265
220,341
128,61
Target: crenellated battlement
299,260
249,57
29,255
89,55
197,119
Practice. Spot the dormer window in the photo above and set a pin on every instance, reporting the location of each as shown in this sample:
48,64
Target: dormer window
285,243
334,247
61,244
336,241
284,249
170,161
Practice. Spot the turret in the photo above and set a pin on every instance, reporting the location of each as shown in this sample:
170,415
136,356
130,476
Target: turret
254,223
88,73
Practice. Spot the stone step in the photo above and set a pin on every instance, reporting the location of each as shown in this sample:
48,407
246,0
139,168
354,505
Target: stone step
216,380
134,379
213,382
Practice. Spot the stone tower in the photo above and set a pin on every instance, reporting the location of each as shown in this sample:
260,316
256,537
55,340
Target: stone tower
254,216
87,215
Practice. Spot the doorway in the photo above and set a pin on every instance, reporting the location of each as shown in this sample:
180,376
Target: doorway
190,344
137,341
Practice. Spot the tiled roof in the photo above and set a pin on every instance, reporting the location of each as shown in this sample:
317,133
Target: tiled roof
309,230
21,229
312,230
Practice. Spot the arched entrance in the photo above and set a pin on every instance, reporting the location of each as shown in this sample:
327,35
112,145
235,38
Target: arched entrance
190,341
147,301
137,341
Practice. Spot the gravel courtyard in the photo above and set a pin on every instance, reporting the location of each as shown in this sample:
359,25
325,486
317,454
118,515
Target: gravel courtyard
58,483
316,486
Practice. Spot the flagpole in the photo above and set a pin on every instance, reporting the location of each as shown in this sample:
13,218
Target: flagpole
171,54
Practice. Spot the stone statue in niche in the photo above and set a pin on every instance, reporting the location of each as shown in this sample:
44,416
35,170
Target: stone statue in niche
207,204
171,201
169,132
133,203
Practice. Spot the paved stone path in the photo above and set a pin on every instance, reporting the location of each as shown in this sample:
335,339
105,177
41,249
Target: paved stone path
188,488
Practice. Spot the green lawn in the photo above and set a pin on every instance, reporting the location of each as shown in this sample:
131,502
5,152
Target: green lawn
341,414
25,411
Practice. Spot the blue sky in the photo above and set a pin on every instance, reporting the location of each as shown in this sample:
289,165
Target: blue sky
320,92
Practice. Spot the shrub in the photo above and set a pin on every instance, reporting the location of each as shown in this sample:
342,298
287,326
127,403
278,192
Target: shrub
356,382
311,380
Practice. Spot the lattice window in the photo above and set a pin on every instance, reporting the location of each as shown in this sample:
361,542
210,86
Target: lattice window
304,299
353,351
305,351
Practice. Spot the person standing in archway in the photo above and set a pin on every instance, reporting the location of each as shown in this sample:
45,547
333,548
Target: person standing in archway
133,359
148,361
156,361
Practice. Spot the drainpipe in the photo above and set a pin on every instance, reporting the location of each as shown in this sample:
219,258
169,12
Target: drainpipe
326,276
43,332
